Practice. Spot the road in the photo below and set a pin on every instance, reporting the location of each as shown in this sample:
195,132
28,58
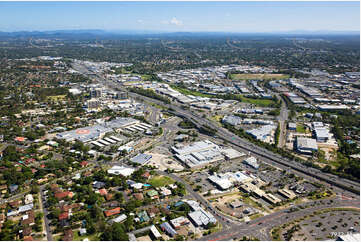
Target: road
221,218
259,152
263,225
246,146
230,228
282,119
49,235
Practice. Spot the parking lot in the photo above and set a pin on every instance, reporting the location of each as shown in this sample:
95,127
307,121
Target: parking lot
323,225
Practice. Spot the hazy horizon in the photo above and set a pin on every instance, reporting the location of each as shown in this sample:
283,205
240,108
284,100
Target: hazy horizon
230,17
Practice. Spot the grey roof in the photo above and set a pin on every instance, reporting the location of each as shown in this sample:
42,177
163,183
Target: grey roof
321,133
231,119
306,143
202,217
94,132
168,228
141,159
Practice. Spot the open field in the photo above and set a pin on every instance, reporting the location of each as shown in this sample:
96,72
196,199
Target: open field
57,98
259,76
256,101
300,128
160,181
146,77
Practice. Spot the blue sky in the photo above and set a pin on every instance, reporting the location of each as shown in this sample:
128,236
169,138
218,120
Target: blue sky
181,16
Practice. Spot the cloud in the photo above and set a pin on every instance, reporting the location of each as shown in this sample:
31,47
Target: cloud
173,21
176,21
140,21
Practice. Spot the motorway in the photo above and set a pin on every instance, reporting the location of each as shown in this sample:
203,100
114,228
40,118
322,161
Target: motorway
259,152
245,145
282,119
259,227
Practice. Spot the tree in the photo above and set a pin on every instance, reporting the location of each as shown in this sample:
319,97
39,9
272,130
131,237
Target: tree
115,232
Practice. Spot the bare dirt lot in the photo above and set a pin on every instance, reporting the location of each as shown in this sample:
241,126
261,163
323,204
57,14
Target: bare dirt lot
163,162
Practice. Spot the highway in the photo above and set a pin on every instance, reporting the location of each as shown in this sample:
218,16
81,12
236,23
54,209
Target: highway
246,146
261,153
259,227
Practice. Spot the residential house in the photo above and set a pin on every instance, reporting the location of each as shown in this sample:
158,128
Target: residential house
178,222
153,211
143,216
168,229
153,194
29,199
68,235
138,196
112,212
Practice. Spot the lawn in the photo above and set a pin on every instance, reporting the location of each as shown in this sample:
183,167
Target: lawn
146,77
160,181
217,118
92,237
252,203
57,98
258,102
254,216
300,128
258,76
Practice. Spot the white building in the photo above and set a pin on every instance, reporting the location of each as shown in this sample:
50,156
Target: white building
306,145
121,170
251,161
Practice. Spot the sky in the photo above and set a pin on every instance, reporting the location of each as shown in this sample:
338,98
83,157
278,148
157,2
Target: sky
181,16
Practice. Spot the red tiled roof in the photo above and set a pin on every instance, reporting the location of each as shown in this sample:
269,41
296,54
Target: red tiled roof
61,195
20,139
84,163
63,216
112,212
146,174
103,192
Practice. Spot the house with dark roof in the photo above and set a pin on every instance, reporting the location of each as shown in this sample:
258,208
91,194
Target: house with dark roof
68,235
153,211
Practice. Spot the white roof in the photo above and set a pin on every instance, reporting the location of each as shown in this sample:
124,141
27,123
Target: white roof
222,182
350,237
120,218
26,208
202,217
232,153
195,147
121,170
306,143
322,133
137,185
155,231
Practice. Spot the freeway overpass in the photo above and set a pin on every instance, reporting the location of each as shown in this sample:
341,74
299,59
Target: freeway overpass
245,145
264,154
